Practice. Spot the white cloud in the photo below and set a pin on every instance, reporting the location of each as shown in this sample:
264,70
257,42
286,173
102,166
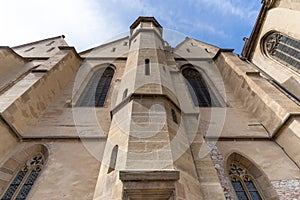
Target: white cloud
203,27
83,22
242,9
88,23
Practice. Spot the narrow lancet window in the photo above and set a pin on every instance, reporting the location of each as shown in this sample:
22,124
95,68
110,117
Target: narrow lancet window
113,159
174,116
147,67
125,93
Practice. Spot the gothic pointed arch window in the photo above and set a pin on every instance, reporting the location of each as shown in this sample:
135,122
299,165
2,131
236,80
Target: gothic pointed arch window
97,88
243,183
25,175
198,88
282,48
247,180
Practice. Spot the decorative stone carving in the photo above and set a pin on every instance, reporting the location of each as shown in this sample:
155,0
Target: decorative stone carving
283,49
235,170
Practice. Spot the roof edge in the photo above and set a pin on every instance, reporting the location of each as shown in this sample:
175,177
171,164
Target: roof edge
103,45
35,42
144,19
13,52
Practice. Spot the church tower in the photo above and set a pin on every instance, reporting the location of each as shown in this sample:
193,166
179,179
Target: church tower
145,128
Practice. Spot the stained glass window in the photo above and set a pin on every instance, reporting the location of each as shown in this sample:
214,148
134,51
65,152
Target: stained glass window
198,88
97,89
28,184
252,189
239,190
284,49
24,180
14,185
243,184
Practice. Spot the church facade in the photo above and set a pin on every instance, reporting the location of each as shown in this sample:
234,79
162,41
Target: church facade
138,119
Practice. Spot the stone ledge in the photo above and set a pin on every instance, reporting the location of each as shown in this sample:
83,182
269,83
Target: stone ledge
143,175
149,184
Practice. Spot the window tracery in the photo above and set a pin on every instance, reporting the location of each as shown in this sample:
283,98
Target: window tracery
25,178
243,183
282,48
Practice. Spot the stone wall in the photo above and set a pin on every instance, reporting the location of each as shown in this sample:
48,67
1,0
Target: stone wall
287,189
219,164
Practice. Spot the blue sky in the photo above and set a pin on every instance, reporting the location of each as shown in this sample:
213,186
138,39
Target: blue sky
88,23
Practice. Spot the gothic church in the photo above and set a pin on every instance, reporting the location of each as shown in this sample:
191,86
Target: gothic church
137,119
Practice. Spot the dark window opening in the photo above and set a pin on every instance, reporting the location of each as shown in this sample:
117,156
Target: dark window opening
28,184
198,89
50,49
14,185
125,93
113,159
239,190
29,49
147,67
174,116
50,43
